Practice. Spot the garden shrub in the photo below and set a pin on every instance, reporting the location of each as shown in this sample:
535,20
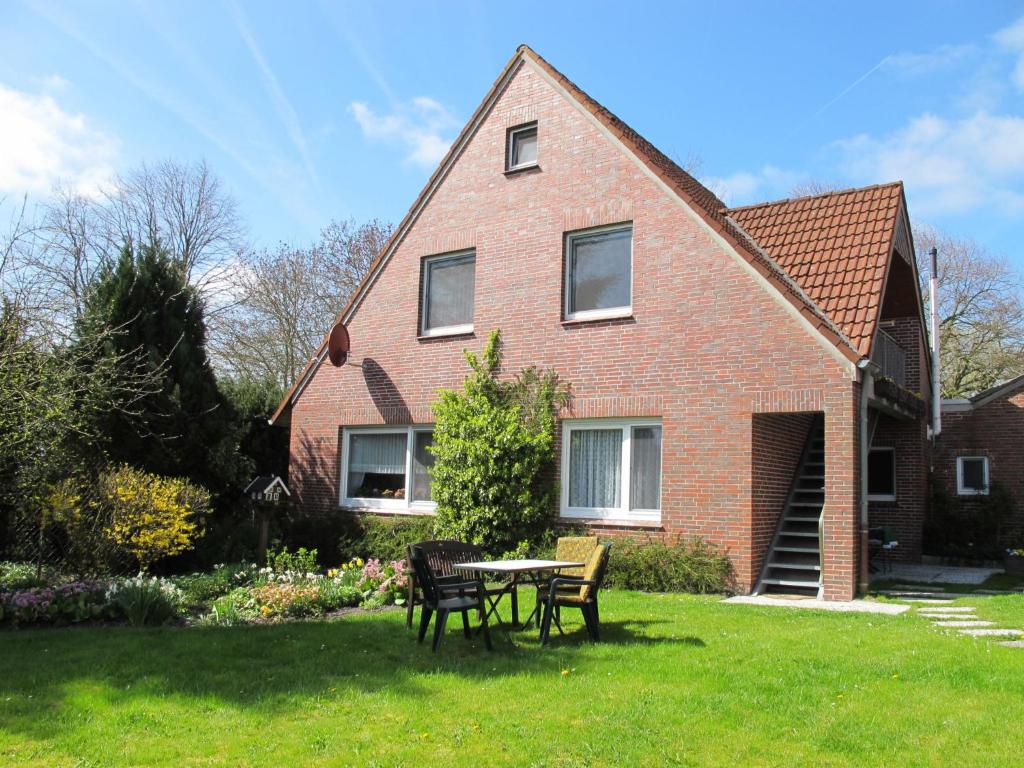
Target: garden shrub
14,576
385,538
301,561
494,450
968,529
151,516
145,601
198,590
687,565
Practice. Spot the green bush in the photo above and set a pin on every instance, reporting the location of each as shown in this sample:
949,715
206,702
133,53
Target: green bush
384,538
236,607
301,561
200,589
19,576
494,451
968,529
690,565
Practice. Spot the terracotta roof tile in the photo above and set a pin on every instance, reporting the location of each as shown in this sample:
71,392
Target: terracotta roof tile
836,247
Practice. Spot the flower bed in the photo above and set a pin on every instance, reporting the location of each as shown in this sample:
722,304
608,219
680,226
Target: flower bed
289,588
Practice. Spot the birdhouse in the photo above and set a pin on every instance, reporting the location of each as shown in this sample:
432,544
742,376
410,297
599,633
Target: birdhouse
267,489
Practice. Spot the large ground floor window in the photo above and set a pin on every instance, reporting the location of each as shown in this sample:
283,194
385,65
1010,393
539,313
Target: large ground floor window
386,467
611,469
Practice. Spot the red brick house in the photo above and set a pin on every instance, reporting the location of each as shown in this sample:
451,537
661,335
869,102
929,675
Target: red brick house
727,364
982,444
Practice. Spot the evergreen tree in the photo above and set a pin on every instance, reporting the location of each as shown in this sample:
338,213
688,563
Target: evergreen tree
185,427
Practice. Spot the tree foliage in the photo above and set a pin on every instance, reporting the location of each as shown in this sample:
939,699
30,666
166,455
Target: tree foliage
184,427
494,447
981,312
288,297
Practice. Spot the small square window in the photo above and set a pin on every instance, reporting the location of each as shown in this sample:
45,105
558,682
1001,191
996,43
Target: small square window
599,274
882,474
972,475
448,286
522,147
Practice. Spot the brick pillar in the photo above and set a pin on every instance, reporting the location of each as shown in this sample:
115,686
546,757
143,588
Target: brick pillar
842,493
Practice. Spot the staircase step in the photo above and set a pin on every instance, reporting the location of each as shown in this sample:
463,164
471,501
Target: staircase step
801,519
792,582
812,550
808,534
795,566
818,504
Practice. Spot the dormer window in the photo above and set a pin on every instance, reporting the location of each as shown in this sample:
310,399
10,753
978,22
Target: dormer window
522,147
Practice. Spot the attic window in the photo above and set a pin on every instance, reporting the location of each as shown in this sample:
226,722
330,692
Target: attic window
522,148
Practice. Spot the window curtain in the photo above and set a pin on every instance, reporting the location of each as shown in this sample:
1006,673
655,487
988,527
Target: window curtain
601,271
450,292
595,468
422,461
377,454
645,468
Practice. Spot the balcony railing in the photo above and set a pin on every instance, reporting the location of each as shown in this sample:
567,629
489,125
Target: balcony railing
891,358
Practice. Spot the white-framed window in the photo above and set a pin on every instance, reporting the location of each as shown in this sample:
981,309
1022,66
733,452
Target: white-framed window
611,469
882,474
449,283
522,147
599,273
387,468
972,475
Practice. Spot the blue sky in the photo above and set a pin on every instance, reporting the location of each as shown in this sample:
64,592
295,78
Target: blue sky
316,110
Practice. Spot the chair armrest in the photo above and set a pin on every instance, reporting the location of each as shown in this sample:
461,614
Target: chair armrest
574,581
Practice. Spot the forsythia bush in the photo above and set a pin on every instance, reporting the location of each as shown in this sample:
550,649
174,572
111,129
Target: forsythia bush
150,516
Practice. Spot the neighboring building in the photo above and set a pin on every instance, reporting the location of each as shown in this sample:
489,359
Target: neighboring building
981,444
718,357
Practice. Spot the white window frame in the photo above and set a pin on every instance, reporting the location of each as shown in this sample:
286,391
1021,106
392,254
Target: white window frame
404,505
885,496
444,330
594,314
511,145
622,512
960,489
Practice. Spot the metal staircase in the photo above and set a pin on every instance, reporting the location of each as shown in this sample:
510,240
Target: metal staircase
793,563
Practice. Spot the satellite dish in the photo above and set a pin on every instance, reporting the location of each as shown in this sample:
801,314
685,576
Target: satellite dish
338,345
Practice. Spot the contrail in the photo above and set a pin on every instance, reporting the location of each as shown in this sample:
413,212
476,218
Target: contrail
852,85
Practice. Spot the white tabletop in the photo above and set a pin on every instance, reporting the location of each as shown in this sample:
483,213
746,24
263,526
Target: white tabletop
517,566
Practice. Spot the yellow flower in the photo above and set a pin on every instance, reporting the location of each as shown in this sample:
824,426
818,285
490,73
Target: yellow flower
359,562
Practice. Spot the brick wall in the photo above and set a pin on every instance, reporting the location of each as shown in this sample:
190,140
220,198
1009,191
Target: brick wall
706,348
995,430
904,516
776,445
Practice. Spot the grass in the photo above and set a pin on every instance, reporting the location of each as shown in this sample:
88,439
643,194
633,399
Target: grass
680,680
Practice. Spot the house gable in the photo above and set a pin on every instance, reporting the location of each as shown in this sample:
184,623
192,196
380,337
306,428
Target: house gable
700,206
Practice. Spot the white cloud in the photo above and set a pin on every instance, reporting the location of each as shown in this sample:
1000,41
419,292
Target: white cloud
745,187
421,126
41,144
911,64
1011,39
949,165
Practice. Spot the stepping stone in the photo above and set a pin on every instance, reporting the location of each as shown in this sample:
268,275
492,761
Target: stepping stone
1013,643
944,615
992,632
964,623
949,610
931,600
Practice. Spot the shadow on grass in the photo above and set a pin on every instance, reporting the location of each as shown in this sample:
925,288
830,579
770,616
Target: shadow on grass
267,666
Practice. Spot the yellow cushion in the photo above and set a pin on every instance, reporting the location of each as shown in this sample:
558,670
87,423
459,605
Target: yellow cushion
574,549
594,564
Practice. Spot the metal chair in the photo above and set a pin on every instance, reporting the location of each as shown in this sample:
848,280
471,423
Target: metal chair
443,555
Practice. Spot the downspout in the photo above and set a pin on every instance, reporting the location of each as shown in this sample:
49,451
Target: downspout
866,386
936,368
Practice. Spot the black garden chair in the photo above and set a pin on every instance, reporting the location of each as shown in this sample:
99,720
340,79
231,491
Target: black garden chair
442,556
576,592
446,597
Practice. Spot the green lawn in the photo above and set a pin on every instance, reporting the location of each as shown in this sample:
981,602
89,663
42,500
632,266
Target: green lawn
679,681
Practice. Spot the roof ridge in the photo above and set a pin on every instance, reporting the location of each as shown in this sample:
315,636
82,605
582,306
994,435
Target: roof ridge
822,195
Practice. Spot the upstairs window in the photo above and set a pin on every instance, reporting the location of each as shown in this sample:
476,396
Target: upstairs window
599,273
972,475
448,286
522,147
882,474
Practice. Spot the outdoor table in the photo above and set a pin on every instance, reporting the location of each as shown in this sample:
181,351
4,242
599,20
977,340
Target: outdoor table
533,569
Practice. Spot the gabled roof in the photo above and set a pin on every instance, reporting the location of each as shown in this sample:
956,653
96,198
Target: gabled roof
836,246
984,397
724,222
